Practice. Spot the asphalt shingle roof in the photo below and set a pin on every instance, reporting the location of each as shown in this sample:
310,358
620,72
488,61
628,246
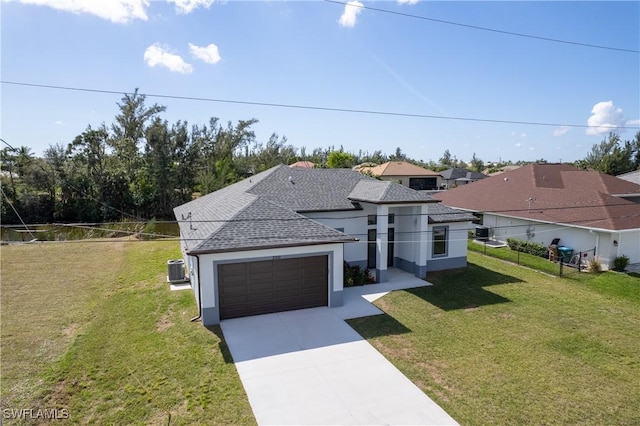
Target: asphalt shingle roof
386,192
264,210
262,224
556,193
459,173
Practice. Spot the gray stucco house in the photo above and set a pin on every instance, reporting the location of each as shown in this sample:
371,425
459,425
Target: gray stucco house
277,241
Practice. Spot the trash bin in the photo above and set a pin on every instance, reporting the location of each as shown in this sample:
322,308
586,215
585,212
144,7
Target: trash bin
565,253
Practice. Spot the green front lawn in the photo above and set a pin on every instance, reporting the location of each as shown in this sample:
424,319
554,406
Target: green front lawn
91,327
499,344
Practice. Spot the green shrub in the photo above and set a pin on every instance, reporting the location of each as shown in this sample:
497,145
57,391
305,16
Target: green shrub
531,247
355,275
620,262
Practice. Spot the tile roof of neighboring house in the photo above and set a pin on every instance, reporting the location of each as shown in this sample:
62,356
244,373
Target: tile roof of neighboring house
633,177
398,168
263,210
459,173
556,193
303,164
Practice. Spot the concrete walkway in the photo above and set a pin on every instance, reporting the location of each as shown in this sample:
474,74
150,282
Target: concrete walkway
308,367
633,267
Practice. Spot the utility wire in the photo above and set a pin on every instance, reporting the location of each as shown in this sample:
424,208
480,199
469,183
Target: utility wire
17,214
476,27
316,108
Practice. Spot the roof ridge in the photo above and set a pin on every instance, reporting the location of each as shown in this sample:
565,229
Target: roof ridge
388,184
262,175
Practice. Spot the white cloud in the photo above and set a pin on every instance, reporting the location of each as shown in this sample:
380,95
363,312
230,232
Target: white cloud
58,123
156,54
407,1
188,6
523,135
633,122
561,130
209,53
518,145
118,11
605,118
351,11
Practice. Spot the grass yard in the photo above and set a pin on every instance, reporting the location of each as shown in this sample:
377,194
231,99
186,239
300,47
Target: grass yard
92,327
498,344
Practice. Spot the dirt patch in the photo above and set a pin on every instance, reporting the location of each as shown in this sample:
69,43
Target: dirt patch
434,372
163,323
70,330
395,348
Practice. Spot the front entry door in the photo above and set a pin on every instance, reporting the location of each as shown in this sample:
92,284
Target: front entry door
372,250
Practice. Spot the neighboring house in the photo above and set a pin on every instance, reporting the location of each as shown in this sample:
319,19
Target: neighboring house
406,174
457,176
502,169
633,177
277,241
303,164
587,210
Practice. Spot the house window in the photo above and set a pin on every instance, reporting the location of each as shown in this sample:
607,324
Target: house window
440,237
372,219
421,184
392,218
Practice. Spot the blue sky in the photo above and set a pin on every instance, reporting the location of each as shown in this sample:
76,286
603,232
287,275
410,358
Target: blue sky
317,53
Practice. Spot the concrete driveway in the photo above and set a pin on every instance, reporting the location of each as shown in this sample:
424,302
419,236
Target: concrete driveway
309,367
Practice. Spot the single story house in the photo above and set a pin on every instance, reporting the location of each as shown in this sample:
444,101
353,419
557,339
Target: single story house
589,211
406,174
277,241
457,176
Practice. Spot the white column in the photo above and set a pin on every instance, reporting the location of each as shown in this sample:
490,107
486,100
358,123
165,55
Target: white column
382,236
423,239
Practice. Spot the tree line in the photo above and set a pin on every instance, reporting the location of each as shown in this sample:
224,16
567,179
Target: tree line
141,166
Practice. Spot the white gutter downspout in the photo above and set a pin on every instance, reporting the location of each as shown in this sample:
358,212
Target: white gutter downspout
199,292
597,250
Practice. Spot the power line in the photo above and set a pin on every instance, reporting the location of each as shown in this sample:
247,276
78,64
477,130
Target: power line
316,108
17,214
476,27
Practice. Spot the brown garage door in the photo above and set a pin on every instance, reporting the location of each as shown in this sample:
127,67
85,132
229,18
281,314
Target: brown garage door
253,288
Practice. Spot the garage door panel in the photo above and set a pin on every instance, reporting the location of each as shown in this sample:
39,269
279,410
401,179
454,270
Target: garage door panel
259,286
253,288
